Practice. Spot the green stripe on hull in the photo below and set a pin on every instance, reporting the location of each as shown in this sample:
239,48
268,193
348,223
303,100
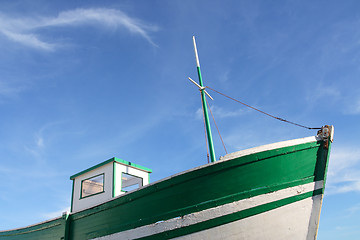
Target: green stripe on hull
230,217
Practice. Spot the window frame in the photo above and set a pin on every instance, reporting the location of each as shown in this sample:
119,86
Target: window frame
142,182
81,186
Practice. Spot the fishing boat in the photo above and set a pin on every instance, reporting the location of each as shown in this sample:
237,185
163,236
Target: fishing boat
273,191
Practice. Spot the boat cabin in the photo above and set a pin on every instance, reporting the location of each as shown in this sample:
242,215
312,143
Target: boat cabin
105,181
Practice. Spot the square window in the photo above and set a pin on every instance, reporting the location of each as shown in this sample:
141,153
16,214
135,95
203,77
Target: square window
92,186
130,182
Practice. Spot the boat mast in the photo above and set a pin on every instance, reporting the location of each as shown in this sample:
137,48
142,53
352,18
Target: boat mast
207,122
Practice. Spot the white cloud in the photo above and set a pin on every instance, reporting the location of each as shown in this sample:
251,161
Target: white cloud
40,142
38,146
322,91
344,171
25,30
29,40
224,77
353,108
8,90
220,112
354,209
55,213
7,170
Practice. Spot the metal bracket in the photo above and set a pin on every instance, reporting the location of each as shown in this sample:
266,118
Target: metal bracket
201,88
327,133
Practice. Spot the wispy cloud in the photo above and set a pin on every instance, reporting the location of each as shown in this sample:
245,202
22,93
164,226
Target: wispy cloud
224,77
55,213
9,90
220,112
354,209
4,169
25,30
29,40
344,171
38,146
353,108
323,91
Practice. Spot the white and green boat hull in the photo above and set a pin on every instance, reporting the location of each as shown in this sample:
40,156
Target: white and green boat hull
269,192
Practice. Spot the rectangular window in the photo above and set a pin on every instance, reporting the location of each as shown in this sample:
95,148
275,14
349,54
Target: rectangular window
92,186
130,182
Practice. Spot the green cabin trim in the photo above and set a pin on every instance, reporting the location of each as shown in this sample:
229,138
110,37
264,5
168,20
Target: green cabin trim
114,159
114,179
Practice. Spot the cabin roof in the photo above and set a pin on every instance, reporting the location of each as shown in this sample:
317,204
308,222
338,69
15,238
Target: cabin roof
114,159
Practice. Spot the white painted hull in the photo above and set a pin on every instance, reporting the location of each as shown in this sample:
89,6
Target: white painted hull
297,220
284,223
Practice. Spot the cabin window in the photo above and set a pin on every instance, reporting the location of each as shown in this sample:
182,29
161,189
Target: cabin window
93,185
130,182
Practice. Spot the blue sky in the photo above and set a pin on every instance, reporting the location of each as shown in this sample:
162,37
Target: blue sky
84,81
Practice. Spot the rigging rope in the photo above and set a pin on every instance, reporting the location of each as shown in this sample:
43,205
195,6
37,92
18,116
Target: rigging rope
278,118
217,127
207,146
